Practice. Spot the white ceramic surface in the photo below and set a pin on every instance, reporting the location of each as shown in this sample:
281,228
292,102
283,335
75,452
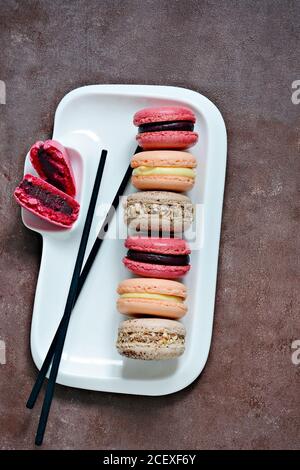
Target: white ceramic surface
86,120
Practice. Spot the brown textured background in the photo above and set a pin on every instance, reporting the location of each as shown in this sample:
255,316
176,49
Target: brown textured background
243,55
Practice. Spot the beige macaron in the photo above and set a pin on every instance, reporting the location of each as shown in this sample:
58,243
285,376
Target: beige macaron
151,339
158,210
168,170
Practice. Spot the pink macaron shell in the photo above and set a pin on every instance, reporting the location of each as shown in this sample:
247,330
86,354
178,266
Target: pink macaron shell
163,114
155,270
161,245
180,140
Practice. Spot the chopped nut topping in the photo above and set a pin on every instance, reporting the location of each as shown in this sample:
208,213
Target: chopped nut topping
161,338
174,211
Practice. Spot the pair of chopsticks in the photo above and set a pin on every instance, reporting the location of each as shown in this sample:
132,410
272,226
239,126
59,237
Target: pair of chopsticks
78,279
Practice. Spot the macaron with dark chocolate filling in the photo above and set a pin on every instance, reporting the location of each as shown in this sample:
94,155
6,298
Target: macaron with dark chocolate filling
165,127
158,257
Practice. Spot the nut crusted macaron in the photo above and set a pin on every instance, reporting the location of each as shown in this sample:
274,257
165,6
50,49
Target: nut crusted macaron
169,170
158,257
46,201
165,127
158,210
151,339
156,297
51,161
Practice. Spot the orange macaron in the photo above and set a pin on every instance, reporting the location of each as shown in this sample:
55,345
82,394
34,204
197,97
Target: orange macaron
168,170
154,297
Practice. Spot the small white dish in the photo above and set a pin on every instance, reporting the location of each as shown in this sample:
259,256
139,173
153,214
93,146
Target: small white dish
89,119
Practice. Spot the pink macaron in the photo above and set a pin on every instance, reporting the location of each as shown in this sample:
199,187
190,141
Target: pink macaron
159,257
165,127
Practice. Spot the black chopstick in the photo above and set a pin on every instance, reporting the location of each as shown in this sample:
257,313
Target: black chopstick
87,267
70,302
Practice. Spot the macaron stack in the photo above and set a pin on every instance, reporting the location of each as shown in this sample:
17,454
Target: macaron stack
162,171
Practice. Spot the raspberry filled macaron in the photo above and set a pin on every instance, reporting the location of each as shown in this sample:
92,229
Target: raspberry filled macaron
51,161
168,170
150,296
159,257
46,201
151,339
165,127
158,211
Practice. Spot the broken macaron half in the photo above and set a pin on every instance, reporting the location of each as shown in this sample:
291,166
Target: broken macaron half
46,201
51,161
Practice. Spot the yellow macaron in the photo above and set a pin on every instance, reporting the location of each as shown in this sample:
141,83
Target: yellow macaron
168,170
150,296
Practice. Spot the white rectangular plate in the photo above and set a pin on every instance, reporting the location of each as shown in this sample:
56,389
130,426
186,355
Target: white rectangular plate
87,120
